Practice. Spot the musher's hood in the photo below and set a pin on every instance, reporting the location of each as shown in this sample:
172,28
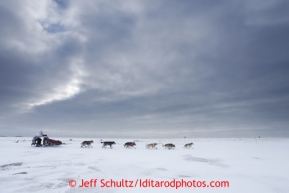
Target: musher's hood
39,134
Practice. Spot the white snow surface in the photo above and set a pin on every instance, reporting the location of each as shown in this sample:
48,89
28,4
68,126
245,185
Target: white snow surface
249,165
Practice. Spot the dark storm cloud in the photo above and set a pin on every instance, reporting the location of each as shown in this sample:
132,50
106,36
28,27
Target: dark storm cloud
140,69
28,70
62,3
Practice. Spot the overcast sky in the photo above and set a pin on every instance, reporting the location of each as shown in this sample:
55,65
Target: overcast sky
144,69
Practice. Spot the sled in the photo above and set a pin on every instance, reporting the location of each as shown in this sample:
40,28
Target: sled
47,142
51,142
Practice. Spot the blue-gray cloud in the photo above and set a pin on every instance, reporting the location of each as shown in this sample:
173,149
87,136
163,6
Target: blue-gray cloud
142,69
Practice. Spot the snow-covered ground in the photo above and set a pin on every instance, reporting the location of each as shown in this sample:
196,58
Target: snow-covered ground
249,165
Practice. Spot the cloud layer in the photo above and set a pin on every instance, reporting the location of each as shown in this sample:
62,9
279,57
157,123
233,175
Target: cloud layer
144,69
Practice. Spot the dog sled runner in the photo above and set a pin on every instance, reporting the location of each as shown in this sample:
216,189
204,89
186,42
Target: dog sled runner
47,142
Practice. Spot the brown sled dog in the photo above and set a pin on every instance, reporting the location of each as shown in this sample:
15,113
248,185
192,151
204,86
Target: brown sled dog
151,145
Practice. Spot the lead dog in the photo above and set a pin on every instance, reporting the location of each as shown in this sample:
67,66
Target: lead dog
110,143
86,144
169,146
151,145
188,145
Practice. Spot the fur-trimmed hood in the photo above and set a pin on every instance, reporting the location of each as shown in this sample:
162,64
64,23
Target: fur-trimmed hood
39,134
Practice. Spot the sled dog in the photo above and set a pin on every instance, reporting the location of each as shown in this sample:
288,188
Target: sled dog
110,143
188,145
169,146
129,144
151,145
86,144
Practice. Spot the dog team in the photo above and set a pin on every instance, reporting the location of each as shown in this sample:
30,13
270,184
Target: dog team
87,144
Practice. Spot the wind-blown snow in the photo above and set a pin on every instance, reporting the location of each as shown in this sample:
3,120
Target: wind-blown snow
249,165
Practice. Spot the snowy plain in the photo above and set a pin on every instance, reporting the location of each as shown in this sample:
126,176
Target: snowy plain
249,165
